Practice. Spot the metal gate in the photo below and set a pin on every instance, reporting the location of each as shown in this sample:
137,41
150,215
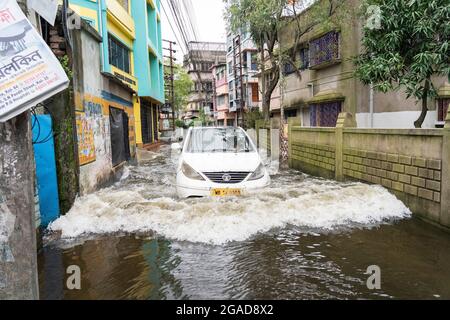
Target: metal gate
44,155
146,123
120,143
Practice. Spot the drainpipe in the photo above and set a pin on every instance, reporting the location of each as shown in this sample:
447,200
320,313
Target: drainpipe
371,105
102,16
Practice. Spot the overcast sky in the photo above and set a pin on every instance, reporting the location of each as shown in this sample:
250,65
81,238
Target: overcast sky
209,18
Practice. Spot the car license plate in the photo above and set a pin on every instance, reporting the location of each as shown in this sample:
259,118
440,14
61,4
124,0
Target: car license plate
225,192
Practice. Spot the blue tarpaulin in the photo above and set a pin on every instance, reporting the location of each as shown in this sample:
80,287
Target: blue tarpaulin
44,155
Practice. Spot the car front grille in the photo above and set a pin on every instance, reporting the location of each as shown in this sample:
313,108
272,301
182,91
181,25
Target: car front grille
227,177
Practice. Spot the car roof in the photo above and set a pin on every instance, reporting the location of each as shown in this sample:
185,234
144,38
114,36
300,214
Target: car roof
211,127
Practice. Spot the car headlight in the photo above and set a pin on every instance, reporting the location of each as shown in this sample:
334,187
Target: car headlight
258,173
189,172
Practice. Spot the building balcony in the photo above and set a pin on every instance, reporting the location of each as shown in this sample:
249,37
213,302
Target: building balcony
120,17
223,107
153,49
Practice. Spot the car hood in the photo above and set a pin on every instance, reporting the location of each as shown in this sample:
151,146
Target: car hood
222,162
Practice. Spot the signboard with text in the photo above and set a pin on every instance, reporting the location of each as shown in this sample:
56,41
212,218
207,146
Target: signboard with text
29,71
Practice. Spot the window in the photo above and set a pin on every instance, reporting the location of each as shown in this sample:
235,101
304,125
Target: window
254,61
220,100
230,67
324,114
288,68
442,108
219,74
119,54
304,58
207,86
219,140
245,60
255,92
324,49
290,113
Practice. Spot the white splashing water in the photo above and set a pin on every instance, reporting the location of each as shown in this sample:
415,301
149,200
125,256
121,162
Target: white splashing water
311,203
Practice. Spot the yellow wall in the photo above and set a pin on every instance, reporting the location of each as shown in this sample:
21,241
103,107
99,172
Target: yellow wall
85,12
121,18
137,119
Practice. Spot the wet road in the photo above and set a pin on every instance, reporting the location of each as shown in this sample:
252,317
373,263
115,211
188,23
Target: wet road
302,238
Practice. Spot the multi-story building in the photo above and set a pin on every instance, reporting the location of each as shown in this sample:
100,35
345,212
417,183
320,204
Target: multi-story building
131,47
222,113
327,85
242,70
198,62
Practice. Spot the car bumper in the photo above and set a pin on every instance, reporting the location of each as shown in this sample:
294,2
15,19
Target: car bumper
192,188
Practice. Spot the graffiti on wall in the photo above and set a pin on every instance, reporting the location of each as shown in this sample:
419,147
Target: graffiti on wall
93,125
86,144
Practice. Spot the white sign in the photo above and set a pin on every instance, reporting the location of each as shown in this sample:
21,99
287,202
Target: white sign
47,9
29,71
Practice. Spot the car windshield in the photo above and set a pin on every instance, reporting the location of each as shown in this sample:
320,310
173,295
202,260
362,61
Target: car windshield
219,140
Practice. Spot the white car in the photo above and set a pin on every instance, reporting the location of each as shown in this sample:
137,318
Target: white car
218,161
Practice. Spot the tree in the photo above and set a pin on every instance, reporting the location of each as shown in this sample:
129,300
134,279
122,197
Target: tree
182,87
409,47
263,19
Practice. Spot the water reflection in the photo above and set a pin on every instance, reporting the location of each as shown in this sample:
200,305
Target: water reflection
292,264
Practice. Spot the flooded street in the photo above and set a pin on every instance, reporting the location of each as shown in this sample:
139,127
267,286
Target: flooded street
302,238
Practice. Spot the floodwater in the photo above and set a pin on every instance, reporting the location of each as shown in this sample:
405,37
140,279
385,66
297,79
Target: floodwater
301,238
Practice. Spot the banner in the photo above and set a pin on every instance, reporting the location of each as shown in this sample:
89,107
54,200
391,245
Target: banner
47,9
29,71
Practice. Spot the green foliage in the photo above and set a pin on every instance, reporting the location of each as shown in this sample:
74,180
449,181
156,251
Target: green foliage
251,118
182,87
65,63
411,46
180,123
259,17
204,118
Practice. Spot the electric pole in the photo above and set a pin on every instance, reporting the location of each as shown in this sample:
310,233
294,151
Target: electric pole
238,80
170,76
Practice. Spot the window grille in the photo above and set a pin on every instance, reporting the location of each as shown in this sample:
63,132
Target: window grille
324,49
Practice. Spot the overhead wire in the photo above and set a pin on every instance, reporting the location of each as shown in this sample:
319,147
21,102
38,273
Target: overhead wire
51,135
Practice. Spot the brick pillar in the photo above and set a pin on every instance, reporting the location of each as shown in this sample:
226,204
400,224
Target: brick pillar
345,120
291,123
445,193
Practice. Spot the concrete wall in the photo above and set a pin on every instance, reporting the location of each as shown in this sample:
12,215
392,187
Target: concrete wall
94,94
312,150
413,164
18,264
18,259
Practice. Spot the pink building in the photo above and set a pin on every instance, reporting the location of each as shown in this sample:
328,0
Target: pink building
222,114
